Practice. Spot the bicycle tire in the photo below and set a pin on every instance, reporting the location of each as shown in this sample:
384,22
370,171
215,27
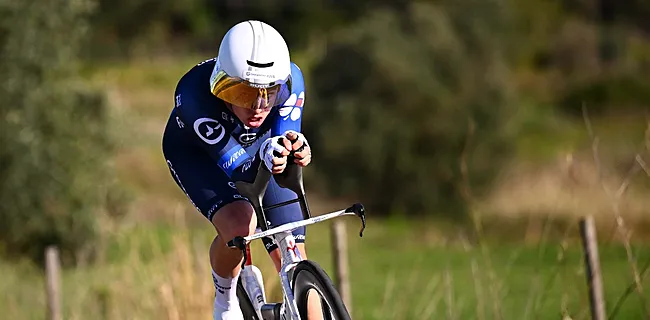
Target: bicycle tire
309,275
245,303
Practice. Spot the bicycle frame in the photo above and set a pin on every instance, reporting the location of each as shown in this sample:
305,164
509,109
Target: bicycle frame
282,235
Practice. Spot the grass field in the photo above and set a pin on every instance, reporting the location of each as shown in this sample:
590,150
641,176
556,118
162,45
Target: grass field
399,270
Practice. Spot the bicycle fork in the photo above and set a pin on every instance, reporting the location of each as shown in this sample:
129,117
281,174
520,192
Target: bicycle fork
290,258
254,283
254,286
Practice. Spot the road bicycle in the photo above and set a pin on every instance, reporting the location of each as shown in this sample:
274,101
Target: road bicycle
298,276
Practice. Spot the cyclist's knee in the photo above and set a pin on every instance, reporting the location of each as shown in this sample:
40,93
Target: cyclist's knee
235,219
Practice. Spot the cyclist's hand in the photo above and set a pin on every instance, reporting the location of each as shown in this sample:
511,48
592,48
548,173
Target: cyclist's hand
274,152
300,147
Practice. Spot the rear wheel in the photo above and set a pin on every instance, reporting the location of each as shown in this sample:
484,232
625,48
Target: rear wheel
245,303
310,280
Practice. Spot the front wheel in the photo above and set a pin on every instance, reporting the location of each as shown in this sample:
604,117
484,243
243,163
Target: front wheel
309,279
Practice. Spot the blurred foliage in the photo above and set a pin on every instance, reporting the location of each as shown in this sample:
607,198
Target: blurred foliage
560,50
401,98
126,27
54,143
595,52
402,92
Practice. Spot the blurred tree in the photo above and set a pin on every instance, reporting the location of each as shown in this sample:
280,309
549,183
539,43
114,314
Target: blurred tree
198,25
122,28
593,52
465,60
402,97
54,144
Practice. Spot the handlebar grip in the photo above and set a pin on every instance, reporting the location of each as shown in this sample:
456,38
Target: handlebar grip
291,153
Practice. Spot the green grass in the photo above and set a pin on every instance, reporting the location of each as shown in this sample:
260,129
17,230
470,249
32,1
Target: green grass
153,271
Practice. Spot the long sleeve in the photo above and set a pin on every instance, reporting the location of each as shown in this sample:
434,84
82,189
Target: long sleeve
290,112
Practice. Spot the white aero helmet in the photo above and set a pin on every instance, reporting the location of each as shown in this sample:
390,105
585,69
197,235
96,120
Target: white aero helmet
253,66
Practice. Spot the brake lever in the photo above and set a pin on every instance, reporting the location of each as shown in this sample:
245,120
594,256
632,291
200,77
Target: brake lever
360,212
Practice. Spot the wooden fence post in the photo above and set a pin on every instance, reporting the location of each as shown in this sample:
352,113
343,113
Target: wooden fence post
341,268
53,283
592,263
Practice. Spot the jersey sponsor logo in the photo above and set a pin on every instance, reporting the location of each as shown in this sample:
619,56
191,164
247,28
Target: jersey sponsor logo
247,138
206,61
209,130
292,108
224,116
301,100
254,147
291,101
180,123
239,196
180,184
233,158
214,208
247,165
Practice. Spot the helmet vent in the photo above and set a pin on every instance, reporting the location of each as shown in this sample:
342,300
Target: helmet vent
259,65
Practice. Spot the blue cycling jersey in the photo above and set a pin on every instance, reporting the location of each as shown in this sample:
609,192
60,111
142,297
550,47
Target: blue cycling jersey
209,123
202,134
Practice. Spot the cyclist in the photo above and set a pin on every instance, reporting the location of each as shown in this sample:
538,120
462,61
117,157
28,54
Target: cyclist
231,113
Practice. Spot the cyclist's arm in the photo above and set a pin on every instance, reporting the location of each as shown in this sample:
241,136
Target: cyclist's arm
213,134
290,110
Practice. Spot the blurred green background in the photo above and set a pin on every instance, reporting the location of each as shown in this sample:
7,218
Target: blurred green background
477,133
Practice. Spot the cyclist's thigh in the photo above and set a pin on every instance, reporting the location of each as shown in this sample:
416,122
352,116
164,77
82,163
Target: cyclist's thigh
194,171
281,215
